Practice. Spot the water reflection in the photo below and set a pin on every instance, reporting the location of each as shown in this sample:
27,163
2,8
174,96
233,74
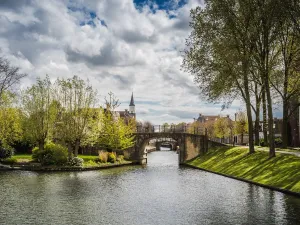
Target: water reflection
160,193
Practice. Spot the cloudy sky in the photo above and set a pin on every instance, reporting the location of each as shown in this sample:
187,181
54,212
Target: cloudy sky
122,46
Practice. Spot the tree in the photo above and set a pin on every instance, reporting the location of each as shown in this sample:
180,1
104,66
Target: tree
36,102
9,76
115,132
77,100
241,124
286,80
11,129
209,126
196,127
222,127
220,49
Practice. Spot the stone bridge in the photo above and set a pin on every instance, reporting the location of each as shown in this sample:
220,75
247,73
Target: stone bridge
191,144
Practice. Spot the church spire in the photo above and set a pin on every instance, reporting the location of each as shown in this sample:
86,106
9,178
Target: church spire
132,101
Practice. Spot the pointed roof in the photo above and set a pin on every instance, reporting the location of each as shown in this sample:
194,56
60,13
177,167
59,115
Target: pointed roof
132,101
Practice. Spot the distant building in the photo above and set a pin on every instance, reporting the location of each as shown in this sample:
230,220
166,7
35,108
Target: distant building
128,114
203,119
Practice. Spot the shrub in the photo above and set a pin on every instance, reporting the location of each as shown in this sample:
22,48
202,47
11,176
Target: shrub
76,161
9,161
91,163
278,141
112,157
262,142
103,156
120,158
6,151
53,154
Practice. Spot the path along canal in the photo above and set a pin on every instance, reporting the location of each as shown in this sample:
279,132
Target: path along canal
160,193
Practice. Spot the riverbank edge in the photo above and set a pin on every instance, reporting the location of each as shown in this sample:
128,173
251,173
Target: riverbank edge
285,191
66,168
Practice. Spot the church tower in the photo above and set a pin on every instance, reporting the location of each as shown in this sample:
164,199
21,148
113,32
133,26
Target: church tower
132,105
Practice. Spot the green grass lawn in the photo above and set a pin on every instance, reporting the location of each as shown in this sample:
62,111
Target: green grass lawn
283,171
22,158
87,158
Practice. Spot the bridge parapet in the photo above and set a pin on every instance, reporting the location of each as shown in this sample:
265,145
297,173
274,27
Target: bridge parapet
171,129
191,140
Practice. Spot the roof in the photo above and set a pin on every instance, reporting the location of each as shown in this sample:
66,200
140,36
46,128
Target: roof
132,101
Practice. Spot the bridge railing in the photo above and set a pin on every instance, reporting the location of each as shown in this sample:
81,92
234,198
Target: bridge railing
171,129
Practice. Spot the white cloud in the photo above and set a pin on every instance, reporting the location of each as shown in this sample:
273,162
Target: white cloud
119,48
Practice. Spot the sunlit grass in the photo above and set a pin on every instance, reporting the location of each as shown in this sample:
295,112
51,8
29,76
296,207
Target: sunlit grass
22,156
87,158
283,171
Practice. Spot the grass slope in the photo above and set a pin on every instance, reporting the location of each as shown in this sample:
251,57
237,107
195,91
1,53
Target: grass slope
283,171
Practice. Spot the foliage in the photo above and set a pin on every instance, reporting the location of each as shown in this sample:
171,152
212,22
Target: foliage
90,163
76,100
112,157
116,133
241,123
52,154
278,141
6,151
196,127
75,161
222,127
120,158
9,161
39,111
103,157
262,142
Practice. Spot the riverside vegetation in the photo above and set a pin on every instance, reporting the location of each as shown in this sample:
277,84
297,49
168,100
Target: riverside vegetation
54,120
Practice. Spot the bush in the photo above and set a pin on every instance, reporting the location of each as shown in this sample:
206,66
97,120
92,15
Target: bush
262,142
120,158
91,163
9,161
6,151
111,157
103,156
76,161
53,154
278,141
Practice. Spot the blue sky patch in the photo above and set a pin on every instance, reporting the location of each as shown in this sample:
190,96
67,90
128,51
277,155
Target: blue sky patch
161,4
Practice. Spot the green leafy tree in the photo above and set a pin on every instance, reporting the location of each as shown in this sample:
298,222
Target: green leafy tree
115,132
36,102
219,52
241,124
11,129
77,100
222,128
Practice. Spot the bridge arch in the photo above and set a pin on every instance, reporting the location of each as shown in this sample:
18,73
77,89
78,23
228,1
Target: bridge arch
190,145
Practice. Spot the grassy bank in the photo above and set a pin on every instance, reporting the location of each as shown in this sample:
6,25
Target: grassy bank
283,171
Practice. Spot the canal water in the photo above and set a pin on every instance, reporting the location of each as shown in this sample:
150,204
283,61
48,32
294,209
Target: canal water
160,193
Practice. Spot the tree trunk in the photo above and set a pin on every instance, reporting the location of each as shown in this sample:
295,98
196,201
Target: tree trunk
242,138
41,144
265,122
248,107
77,143
70,148
270,119
257,117
284,131
285,106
